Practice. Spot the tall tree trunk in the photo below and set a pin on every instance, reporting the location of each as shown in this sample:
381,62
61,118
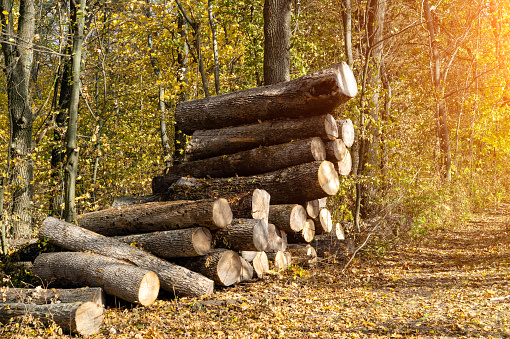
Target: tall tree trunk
215,48
277,19
347,23
71,165
18,64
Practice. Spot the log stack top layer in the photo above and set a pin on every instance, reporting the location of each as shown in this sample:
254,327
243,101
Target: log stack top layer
313,94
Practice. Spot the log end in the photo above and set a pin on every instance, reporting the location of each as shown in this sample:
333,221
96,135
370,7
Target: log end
308,231
346,81
338,150
261,235
149,289
229,268
318,149
339,231
202,241
331,127
344,166
297,218
260,204
88,318
312,208
260,264
347,133
328,178
222,214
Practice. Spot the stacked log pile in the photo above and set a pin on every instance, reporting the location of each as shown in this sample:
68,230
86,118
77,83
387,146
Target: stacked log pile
261,163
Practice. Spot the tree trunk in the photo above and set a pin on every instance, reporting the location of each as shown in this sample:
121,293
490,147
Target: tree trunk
324,222
211,143
188,242
258,260
215,48
306,235
314,94
246,270
18,58
158,216
116,277
255,161
221,265
335,150
173,278
277,34
243,235
71,165
346,131
347,23
289,218
83,318
302,255
39,296
295,184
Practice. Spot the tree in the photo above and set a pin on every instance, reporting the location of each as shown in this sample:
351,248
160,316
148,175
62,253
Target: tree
277,35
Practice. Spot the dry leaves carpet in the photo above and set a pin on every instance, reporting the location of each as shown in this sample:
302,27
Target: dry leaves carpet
452,283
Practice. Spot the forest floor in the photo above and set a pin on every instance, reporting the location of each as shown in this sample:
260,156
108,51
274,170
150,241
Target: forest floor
450,283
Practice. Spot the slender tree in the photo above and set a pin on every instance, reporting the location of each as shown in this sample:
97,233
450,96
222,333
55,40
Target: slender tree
277,33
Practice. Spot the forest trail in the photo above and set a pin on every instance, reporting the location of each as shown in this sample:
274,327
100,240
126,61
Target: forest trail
452,283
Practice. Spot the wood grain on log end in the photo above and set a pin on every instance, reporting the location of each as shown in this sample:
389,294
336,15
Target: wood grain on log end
335,150
89,318
260,264
202,241
312,208
222,214
328,178
308,231
331,127
346,130
149,289
246,270
318,149
339,231
324,222
344,166
260,204
229,268
346,81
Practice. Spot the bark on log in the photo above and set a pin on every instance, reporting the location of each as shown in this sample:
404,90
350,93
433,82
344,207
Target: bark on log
173,278
255,161
306,234
278,259
128,201
84,318
188,242
158,216
300,183
335,150
313,94
41,296
346,131
210,143
277,241
344,166
221,265
288,217
324,222
302,255
246,270
253,204
125,281
243,235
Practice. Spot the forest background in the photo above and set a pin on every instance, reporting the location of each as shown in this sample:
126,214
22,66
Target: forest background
431,114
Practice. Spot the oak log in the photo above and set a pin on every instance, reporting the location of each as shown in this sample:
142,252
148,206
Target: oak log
346,131
288,217
306,234
313,94
188,242
344,166
210,143
84,318
335,150
277,239
279,259
246,270
158,216
243,235
128,201
173,278
41,296
258,260
324,222
295,184
255,161
313,207
115,277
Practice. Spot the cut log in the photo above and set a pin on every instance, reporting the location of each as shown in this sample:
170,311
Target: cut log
306,234
338,231
278,260
346,131
335,150
173,278
210,143
255,161
84,318
221,265
276,240
288,217
246,270
41,296
125,281
243,235
344,166
158,216
188,242
312,208
313,94
260,264
295,184
302,255
128,201
249,255
324,222
252,204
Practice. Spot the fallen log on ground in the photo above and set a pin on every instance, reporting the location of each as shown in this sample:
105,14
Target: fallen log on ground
255,161
306,234
125,281
288,217
243,235
316,180
41,296
221,265
258,260
211,143
313,94
84,318
302,255
346,131
158,216
188,242
324,222
173,278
